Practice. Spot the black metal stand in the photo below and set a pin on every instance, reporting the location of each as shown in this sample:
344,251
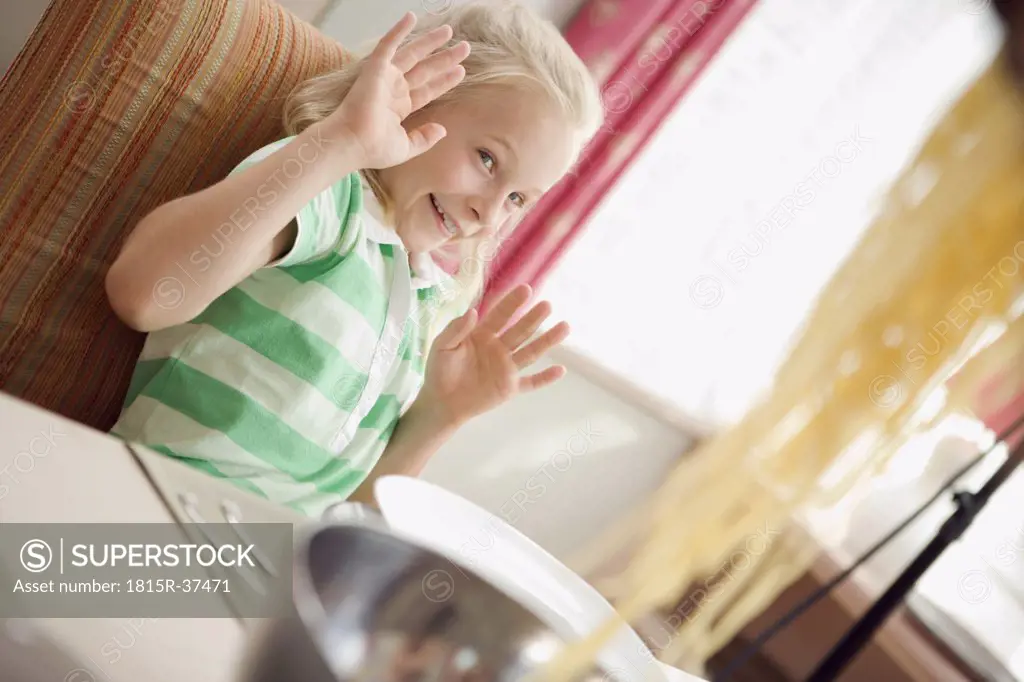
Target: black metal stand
968,506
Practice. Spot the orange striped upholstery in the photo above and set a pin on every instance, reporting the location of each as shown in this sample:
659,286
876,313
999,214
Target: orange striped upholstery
113,107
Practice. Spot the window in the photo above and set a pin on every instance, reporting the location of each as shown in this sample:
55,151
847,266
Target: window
690,280
697,272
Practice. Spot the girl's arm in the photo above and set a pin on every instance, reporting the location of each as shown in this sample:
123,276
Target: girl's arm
473,367
248,218
249,214
420,433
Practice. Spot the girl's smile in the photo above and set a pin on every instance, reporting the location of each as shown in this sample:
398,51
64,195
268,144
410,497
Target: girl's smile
448,226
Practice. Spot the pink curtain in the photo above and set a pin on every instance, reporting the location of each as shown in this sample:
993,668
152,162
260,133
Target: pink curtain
645,54
1000,415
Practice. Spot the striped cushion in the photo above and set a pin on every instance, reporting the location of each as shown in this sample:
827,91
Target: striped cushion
112,108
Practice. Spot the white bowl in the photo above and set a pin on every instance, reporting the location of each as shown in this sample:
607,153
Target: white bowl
478,540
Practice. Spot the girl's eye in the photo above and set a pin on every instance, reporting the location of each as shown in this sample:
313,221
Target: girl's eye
488,160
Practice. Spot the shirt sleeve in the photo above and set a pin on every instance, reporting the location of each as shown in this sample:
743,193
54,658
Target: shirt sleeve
327,224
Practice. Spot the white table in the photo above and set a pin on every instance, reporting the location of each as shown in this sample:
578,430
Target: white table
53,470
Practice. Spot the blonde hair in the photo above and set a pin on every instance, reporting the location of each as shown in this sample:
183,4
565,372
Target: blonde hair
510,45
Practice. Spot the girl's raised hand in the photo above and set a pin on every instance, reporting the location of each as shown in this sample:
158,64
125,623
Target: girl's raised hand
394,81
475,365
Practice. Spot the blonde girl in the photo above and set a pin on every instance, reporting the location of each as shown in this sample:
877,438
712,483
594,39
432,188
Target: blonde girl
291,307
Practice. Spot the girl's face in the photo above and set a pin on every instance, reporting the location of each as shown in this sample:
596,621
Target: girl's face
505,147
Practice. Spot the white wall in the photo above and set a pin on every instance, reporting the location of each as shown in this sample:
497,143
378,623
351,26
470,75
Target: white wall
351,22
562,463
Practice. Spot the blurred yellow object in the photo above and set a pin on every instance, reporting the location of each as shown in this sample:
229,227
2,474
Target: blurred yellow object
933,280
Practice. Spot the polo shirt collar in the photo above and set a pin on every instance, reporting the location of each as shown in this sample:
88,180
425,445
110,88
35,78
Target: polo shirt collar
425,272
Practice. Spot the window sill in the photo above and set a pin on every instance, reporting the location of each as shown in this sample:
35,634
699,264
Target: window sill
901,651
599,374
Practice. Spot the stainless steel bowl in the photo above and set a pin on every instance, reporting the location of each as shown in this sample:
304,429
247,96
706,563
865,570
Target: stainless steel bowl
371,605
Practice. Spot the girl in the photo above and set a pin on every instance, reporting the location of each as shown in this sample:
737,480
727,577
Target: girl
290,305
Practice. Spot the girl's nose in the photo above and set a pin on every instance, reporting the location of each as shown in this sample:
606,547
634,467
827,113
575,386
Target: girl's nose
488,212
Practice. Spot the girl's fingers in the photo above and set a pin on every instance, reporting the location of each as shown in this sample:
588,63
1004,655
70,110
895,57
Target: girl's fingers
424,137
497,317
531,352
436,65
392,40
425,94
542,378
529,323
410,54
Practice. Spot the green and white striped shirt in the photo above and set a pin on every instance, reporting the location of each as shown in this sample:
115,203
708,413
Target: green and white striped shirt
291,383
